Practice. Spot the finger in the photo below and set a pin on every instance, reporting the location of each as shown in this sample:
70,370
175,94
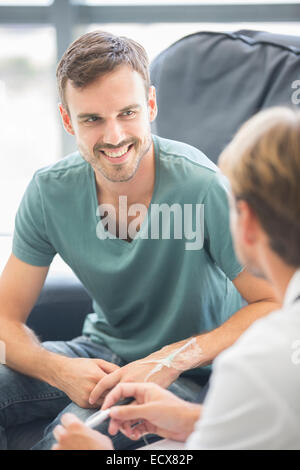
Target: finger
122,390
108,382
129,412
58,432
128,426
106,366
128,432
115,425
100,401
55,447
144,427
69,418
135,432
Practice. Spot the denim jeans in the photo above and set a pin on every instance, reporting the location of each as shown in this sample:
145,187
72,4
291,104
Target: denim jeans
27,400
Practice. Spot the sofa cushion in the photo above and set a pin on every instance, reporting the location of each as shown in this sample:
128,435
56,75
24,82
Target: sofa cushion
209,83
61,308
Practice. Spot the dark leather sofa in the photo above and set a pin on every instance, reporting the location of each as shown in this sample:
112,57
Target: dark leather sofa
207,85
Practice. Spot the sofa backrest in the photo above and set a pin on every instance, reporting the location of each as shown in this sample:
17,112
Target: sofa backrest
209,83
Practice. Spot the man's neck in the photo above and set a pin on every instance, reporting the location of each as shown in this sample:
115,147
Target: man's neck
278,273
138,189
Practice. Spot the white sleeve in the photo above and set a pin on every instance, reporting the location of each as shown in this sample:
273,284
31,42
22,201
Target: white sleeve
241,410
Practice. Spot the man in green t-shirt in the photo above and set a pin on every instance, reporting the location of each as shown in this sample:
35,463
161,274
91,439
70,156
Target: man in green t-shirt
143,222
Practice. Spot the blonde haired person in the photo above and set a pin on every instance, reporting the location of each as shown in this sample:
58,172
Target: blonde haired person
253,400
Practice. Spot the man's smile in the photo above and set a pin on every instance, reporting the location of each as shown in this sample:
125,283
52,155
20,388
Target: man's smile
118,155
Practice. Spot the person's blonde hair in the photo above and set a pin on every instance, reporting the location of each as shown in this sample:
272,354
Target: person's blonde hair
262,164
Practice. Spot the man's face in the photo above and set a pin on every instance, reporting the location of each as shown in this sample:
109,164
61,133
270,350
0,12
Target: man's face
110,119
242,234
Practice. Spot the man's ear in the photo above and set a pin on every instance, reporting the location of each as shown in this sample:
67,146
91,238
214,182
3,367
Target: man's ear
249,225
152,105
66,119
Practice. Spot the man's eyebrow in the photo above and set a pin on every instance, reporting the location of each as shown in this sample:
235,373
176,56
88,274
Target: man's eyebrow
131,106
123,110
87,115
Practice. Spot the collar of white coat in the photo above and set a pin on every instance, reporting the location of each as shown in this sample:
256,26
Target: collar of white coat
293,289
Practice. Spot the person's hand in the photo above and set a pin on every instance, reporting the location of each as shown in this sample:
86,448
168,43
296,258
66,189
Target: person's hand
73,434
137,371
161,412
77,377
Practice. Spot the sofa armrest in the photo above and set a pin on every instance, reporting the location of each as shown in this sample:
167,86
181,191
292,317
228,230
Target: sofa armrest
61,308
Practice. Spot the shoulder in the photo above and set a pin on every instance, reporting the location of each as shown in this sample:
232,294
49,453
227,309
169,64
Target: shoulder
182,153
67,167
265,351
185,162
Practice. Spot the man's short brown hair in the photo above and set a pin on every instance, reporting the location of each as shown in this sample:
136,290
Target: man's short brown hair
95,54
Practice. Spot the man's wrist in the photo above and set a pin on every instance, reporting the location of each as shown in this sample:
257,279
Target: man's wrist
55,366
161,358
184,355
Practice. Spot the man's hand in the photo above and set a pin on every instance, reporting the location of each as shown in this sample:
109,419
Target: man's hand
161,412
78,377
73,434
136,371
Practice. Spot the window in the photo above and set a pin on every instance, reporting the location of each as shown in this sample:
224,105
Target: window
26,2
174,2
156,37
29,137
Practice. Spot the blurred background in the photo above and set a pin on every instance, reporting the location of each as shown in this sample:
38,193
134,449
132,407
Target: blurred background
33,36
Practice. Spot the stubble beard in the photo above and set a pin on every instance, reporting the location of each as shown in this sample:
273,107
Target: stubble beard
119,173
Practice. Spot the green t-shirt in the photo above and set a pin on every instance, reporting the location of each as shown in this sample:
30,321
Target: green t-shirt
158,289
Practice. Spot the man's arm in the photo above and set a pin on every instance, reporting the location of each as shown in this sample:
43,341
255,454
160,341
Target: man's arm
259,295
205,348
20,285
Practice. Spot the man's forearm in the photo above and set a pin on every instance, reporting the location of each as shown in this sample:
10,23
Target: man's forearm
207,346
25,354
164,366
216,341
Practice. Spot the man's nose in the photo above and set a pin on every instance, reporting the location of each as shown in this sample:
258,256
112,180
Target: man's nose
113,133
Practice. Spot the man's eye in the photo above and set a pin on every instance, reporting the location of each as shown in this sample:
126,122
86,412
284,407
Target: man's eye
92,119
128,113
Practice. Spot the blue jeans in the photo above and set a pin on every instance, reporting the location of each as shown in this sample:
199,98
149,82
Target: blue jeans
27,400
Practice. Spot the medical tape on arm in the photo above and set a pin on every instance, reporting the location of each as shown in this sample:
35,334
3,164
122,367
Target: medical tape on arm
176,359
